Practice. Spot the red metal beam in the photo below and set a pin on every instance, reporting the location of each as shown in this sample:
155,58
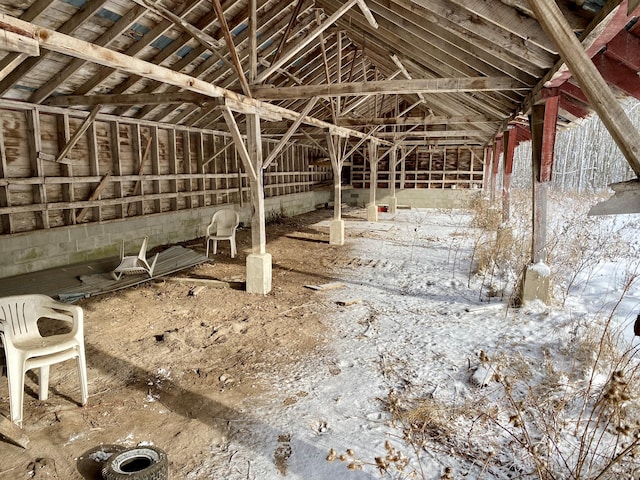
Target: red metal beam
625,48
618,74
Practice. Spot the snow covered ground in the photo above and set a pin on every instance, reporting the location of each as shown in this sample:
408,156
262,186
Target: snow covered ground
427,352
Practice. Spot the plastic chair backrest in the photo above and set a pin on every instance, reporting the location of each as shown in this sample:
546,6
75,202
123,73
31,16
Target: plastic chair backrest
19,315
225,221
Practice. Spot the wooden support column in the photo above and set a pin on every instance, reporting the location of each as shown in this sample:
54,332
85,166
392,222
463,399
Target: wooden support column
486,169
66,169
336,227
94,170
393,201
173,169
39,191
509,148
372,209
155,168
199,168
495,164
5,197
186,162
543,119
543,135
116,166
590,80
259,261
254,150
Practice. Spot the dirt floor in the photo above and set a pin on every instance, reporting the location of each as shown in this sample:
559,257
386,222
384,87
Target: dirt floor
168,362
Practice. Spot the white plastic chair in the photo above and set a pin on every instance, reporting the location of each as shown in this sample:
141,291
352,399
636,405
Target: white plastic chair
134,264
223,226
26,349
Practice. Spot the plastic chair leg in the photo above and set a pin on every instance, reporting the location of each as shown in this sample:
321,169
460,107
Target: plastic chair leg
215,246
234,251
82,375
15,377
44,382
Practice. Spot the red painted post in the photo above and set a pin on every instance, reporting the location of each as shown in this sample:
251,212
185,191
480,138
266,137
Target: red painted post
495,162
543,136
509,147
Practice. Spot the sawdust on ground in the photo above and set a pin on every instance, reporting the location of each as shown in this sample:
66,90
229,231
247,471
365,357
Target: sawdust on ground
169,367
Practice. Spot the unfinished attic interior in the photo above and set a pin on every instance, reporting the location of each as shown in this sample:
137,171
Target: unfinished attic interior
132,122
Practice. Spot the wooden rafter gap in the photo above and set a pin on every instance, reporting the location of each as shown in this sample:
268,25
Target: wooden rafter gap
315,142
285,35
206,40
107,38
68,28
78,134
253,40
232,48
241,147
217,154
325,63
289,133
96,193
303,42
138,184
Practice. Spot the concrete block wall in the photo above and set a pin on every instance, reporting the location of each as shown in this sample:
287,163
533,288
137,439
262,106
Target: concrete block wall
415,197
38,250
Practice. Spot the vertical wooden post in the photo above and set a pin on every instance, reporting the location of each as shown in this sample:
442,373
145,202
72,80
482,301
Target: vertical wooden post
543,134
116,165
495,164
509,148
336,227
200,168
5,197
94,166
136,147
186,162
37,170
486,168
155,167
254,149
173,170
333,144
372,209
64,134
403,172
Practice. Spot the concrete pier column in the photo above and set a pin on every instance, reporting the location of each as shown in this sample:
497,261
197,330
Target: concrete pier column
259,273
336,232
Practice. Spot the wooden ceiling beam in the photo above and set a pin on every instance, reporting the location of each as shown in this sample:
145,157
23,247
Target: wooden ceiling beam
433,120
18,43
403,87
128,99
266,31
235,61
74,47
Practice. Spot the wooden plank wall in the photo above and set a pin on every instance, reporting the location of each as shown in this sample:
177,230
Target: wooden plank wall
121,168
426,167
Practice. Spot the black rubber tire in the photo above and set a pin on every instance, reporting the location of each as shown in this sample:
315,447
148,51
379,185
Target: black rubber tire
138,463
